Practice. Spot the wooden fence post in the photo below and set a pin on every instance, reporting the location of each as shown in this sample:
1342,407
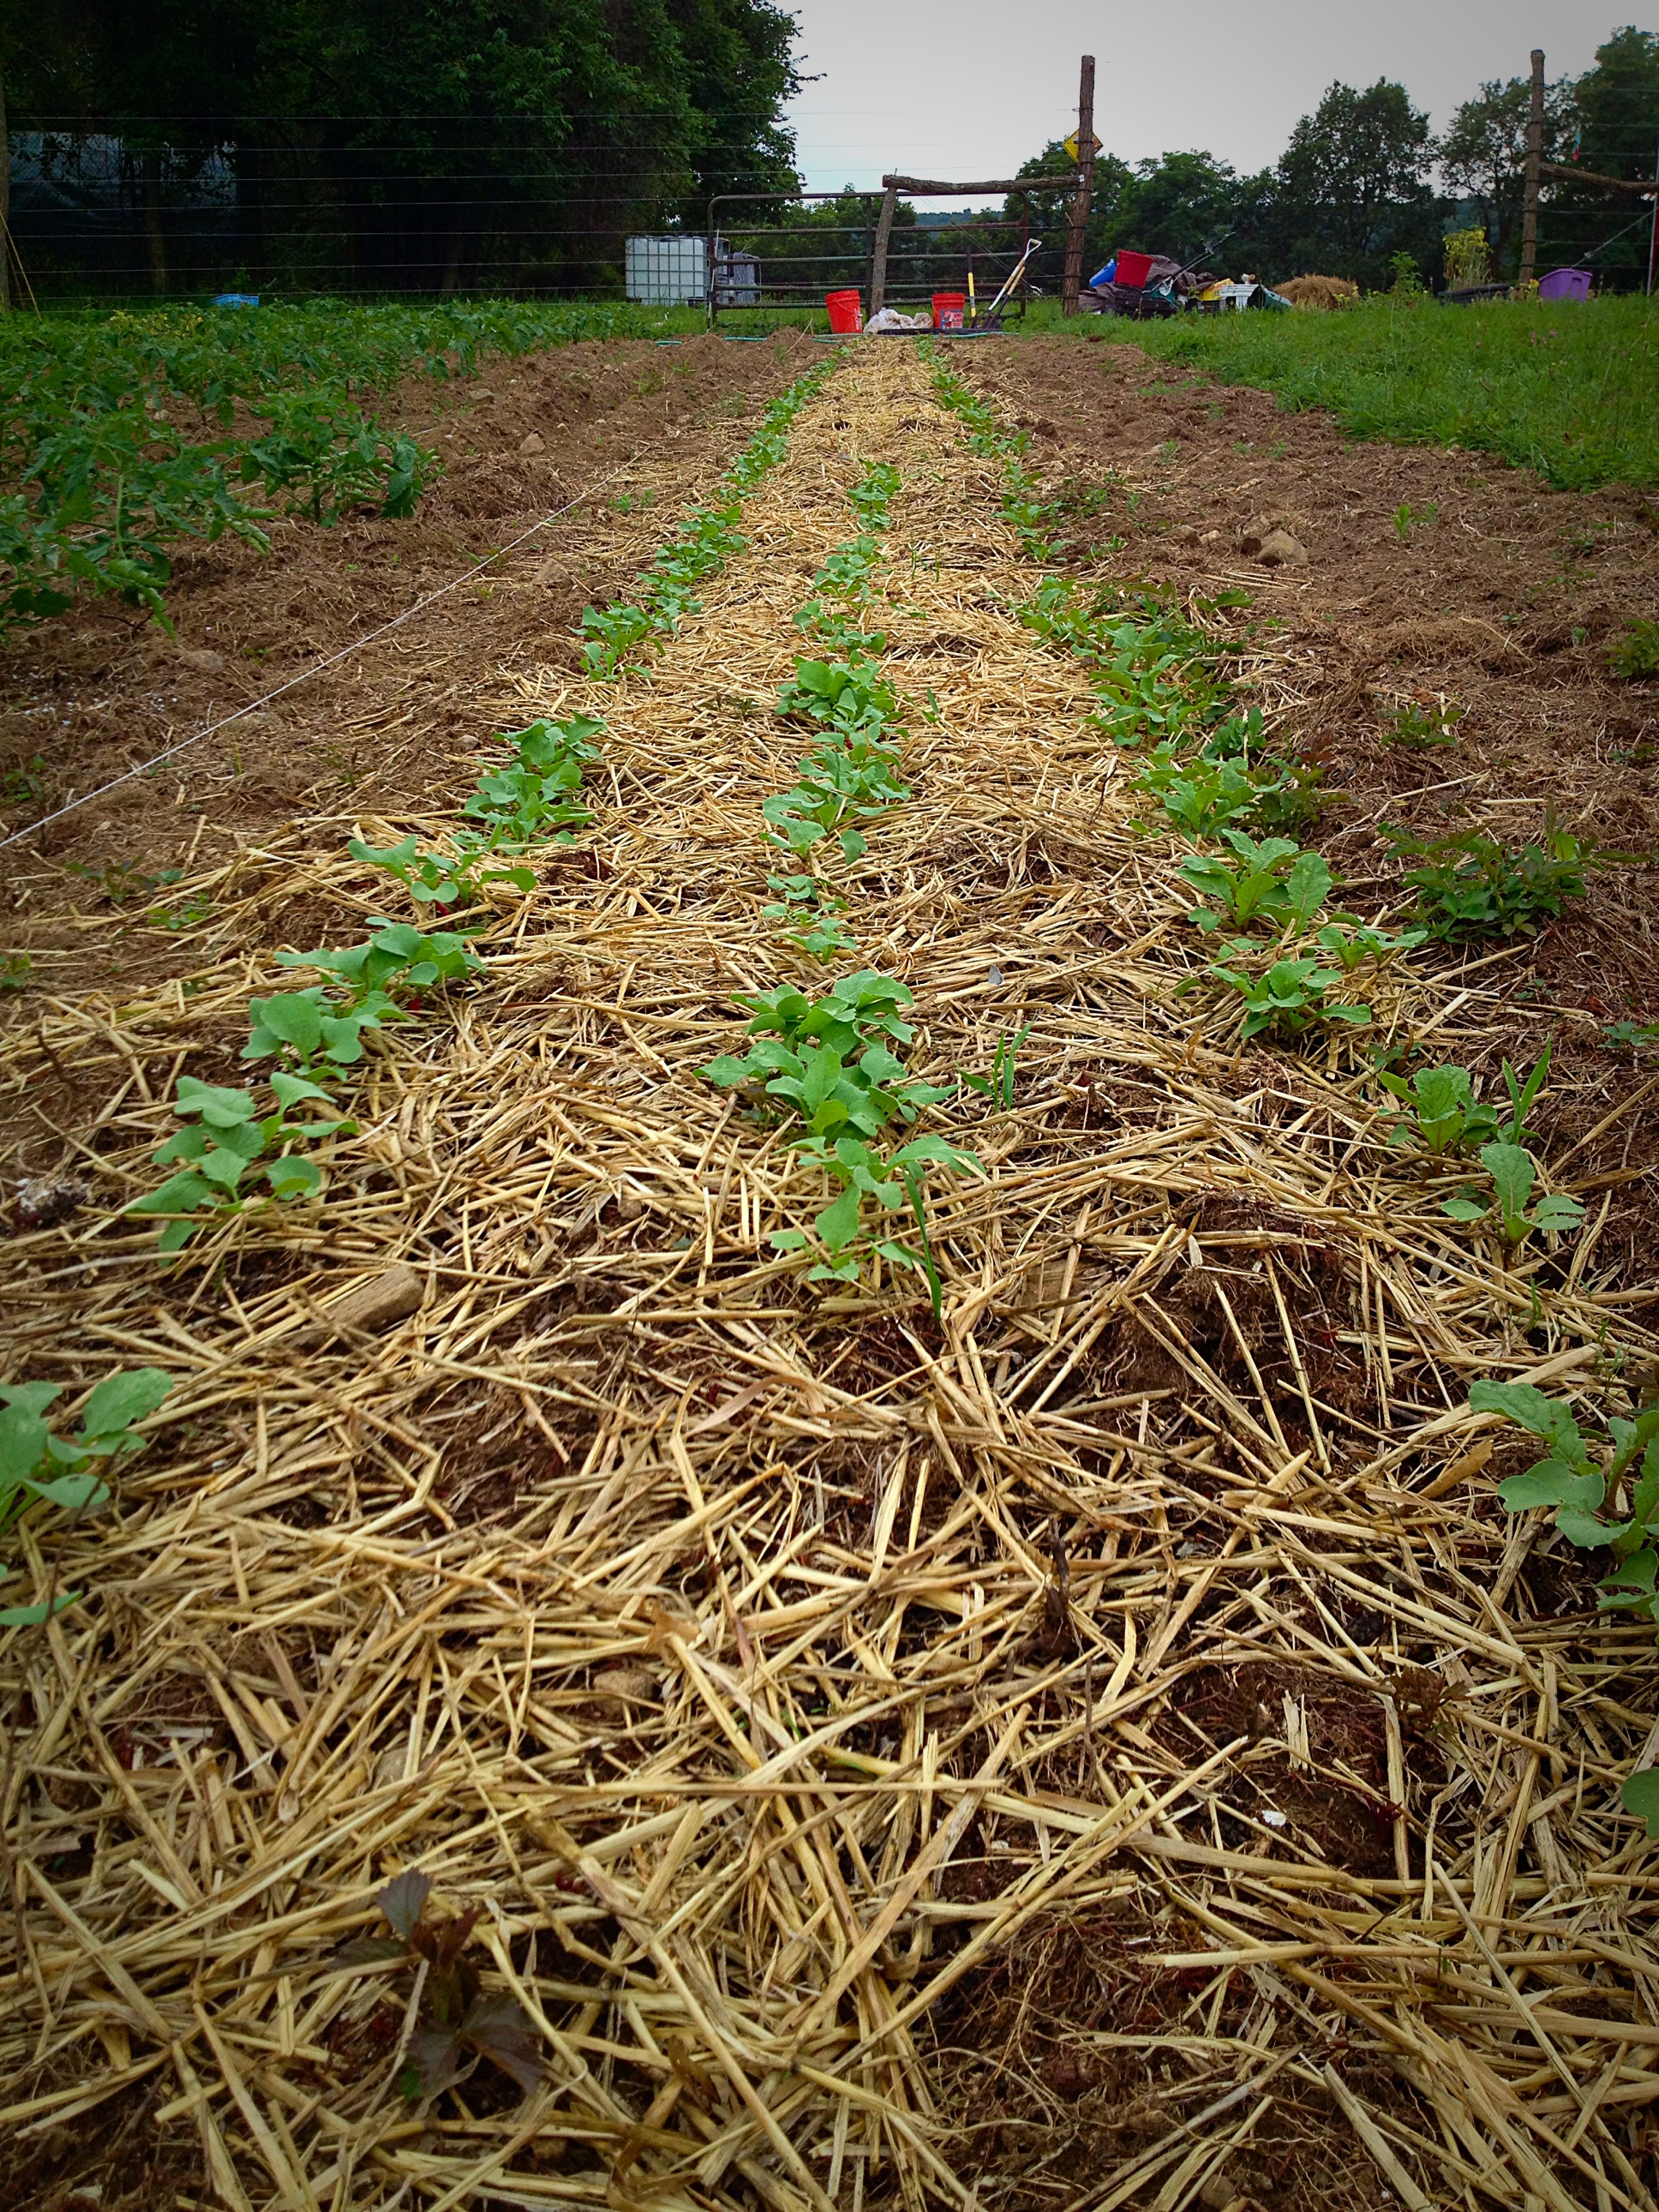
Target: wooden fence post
884,233
1535,158
1086,162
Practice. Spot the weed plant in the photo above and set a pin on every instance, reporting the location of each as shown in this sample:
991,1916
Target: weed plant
1469,885
1636,653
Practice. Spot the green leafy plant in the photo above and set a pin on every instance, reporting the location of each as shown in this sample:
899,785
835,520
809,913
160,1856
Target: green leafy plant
1630,1036
1470,885
432,878
1286,998
397,958
1407,518
16,971
1513,1172
224,1137
1273,881
1602,1496
838,785
889,1183
1425,722
39,1467
708,538
998,1085
1636,653
314,1037
531,798
812,911
1444,1115
827,1057
455,2016
852,698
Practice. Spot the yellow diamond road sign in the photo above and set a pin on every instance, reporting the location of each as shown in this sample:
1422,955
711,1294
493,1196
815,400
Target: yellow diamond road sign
1074,142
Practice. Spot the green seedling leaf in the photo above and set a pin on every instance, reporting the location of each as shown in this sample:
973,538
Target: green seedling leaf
1639,1794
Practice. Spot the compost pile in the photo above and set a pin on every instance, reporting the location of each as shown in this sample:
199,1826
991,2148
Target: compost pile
1077,1729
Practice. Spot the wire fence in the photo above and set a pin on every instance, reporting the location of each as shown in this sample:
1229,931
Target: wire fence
488,205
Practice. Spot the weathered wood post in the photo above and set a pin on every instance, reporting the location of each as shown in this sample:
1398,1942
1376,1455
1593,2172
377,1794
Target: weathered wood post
883,234
1086,177
1534,159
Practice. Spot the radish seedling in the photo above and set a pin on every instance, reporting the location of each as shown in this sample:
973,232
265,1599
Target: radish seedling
230,1138
814,911
1603,1495
1513,1172
1288,997
441,878
398,956
1273,881
37,1467
891,1181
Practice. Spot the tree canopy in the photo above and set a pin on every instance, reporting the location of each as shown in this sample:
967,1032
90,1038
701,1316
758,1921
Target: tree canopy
421,144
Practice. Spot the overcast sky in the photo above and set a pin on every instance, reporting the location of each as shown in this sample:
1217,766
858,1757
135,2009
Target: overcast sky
965,89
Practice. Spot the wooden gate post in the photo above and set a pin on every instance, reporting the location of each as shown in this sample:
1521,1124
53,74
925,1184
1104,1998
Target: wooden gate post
884,233
1535,159
1086,162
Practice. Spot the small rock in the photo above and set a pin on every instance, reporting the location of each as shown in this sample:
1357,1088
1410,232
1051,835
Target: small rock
532,444
45,1200
203,657
1279,550
1252,532
392,1296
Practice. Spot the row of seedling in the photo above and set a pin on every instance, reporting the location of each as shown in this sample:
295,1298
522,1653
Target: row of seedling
708,538
240,1143
831,1060
1211,769
1287,959
236,1142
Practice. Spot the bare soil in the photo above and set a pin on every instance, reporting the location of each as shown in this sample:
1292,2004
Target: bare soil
95,693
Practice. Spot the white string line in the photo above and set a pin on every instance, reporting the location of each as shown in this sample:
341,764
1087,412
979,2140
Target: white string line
317,667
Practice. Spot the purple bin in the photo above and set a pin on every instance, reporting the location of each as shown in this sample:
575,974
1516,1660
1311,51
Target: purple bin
1565,284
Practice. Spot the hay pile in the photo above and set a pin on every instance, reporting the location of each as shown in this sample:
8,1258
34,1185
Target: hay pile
1320,292
1114,1749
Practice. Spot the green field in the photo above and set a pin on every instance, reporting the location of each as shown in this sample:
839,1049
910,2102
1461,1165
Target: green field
1572,392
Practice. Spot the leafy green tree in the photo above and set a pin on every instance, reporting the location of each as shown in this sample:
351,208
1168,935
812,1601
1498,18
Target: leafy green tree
1352,186
1616,112
1483,154
422,144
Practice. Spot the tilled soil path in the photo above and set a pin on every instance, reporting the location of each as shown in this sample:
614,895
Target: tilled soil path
1103,1746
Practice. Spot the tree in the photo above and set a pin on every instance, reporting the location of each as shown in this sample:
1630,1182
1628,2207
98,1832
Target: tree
1483,154
1351,187
420,144
1616,106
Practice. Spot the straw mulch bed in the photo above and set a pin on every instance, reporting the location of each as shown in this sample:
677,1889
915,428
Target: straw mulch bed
1112,1750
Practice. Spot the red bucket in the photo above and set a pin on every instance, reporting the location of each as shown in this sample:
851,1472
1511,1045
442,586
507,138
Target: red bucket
846,312
948,310
1133,269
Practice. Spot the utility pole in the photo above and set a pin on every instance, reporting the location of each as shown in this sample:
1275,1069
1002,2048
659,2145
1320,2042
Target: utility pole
1535,158
1086,177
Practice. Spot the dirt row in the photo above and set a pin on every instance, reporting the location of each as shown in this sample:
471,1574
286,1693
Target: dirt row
84,698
